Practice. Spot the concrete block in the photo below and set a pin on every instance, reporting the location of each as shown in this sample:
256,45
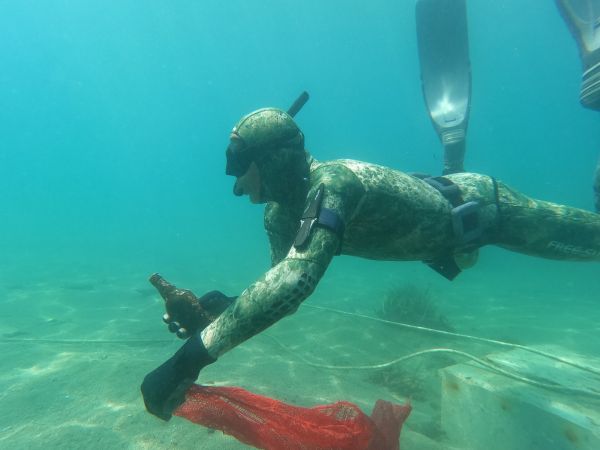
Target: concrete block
483,410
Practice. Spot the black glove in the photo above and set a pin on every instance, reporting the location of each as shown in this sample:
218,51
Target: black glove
164,388
215,302
186,313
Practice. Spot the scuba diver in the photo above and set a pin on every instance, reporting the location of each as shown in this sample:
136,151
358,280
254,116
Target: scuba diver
318,209
583,19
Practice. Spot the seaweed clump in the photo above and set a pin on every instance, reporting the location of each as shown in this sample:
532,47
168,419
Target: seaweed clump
402,382
413,305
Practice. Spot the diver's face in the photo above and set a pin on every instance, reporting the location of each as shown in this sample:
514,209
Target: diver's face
249,184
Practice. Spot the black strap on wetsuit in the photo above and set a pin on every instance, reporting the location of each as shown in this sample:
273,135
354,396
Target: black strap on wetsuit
465,223
316,215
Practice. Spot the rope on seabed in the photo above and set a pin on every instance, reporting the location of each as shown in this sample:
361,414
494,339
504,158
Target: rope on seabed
489,365
465,336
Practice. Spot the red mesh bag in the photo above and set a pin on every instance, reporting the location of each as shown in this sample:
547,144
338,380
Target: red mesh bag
267,423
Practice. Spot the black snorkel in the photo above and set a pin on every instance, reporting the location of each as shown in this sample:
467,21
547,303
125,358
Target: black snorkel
298,104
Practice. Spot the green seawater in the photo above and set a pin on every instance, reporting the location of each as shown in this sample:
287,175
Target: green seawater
114,118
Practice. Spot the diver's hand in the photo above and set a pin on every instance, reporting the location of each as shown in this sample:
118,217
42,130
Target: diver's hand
187,314
164,388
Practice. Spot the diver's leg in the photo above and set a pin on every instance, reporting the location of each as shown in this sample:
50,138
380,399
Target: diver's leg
454,157
583,19
545,229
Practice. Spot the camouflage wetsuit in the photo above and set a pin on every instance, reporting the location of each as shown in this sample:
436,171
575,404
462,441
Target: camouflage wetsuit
390,215
363,210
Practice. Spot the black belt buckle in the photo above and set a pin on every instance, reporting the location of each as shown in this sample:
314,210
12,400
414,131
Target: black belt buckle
465,222
447,188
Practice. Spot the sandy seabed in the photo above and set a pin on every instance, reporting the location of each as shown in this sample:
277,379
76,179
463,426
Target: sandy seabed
74,352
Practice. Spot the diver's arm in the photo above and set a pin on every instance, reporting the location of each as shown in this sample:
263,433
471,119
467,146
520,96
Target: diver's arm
276,294
282,289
